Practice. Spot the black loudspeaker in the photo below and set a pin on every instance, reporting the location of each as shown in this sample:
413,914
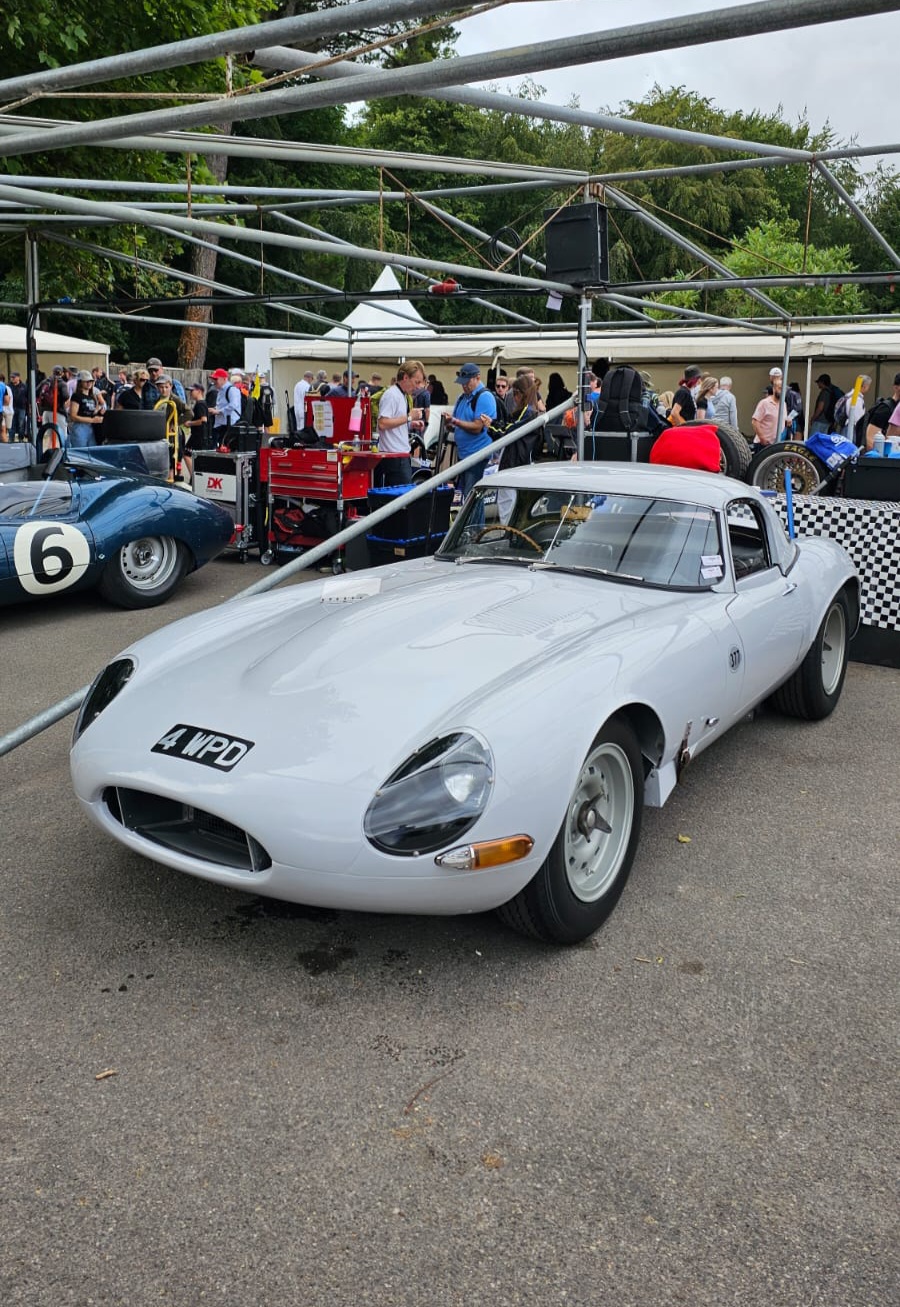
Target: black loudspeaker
577,245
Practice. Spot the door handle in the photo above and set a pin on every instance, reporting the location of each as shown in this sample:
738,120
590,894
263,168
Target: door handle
789,588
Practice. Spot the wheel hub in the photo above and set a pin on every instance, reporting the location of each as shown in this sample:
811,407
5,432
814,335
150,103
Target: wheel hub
589,820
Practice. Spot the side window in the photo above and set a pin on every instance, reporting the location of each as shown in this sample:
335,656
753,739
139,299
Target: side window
747,538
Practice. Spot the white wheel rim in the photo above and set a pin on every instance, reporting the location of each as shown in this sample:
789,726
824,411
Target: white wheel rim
834,640
599,822
149,562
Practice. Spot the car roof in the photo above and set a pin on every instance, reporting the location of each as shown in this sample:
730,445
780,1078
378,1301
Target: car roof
707,488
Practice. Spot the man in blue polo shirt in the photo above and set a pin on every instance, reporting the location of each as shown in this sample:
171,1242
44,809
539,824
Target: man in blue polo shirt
473,414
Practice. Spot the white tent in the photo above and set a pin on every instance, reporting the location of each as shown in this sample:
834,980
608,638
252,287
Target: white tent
383,318
51,349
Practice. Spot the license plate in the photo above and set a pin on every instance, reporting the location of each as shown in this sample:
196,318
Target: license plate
199,744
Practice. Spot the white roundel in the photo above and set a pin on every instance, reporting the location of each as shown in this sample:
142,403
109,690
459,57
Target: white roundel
50,556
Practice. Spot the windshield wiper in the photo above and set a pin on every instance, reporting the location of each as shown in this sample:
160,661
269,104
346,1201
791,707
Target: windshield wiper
493,558
581,570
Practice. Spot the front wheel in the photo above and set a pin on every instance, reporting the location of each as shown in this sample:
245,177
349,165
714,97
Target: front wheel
144,572
814,689
585,872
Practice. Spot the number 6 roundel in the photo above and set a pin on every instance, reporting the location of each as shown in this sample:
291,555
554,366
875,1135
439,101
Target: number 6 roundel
50,556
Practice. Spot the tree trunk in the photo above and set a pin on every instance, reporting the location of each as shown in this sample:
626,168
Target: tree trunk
195,332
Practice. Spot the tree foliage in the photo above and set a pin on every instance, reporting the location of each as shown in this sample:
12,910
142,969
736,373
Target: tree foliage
755,219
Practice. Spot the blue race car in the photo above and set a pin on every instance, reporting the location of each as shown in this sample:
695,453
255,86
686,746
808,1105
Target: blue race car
73,522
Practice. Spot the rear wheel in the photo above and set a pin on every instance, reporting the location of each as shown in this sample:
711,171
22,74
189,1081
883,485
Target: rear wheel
585,872
814,689
771,465
144,572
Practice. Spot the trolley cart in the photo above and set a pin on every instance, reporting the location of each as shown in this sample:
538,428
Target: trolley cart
232,480
330,475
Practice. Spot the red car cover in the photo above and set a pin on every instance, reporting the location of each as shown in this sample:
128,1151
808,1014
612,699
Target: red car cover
697,447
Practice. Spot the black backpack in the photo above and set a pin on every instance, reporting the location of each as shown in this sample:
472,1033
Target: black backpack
620,406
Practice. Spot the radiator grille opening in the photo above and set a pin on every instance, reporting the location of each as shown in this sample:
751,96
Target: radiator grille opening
186,829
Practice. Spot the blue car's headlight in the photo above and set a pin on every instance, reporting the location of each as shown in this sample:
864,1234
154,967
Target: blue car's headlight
101,694
434,798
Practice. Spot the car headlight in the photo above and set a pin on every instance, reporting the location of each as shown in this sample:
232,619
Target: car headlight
433,798
104,689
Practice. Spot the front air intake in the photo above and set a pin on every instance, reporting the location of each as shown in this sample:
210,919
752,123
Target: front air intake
182,828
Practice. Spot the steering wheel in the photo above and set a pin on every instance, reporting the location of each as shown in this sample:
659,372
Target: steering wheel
509,530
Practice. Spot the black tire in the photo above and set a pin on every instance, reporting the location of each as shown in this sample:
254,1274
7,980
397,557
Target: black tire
585,872
734,448
144,572
814,689
771,464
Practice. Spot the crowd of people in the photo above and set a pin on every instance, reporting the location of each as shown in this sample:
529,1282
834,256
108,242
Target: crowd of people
495,402
75,401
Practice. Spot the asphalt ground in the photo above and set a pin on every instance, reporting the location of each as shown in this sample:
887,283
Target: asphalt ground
211,1098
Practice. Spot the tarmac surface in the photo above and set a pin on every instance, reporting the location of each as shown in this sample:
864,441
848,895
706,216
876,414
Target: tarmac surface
211,1098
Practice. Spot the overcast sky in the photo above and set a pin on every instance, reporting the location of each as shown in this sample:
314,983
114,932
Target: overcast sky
842,73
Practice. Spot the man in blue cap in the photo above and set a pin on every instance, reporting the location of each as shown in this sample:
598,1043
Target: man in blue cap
473,414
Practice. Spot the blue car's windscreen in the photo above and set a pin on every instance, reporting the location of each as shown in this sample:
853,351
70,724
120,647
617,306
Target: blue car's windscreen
659,542
26,498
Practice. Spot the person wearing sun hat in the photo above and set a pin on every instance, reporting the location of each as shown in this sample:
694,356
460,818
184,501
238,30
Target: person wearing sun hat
86,409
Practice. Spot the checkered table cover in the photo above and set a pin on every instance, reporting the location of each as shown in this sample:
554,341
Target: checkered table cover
870,532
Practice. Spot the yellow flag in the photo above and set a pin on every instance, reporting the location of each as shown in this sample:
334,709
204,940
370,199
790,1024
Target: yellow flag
254,389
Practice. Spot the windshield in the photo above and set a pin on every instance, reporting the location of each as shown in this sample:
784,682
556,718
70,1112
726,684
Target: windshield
658,542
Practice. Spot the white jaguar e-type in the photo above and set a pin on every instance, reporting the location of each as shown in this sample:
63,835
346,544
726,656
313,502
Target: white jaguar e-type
368,741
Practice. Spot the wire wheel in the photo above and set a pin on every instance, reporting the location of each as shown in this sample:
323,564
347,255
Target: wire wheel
772,468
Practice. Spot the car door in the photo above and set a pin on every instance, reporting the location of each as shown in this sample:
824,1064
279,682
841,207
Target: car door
47,549
766,610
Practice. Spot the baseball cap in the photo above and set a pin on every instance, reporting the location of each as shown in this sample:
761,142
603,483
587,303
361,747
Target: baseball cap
84,375
468,371
196,385
219,374
775,372
154,363
57,369
691,371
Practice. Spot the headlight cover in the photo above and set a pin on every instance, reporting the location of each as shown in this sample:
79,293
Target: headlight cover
104,689
433,798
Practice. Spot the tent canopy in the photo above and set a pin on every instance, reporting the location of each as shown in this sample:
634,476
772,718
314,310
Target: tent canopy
383,317
51,349
687,345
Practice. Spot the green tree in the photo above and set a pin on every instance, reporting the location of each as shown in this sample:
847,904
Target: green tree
773,248
712,209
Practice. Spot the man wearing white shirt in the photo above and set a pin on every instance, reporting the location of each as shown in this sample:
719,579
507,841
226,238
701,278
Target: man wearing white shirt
395,412
300,392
